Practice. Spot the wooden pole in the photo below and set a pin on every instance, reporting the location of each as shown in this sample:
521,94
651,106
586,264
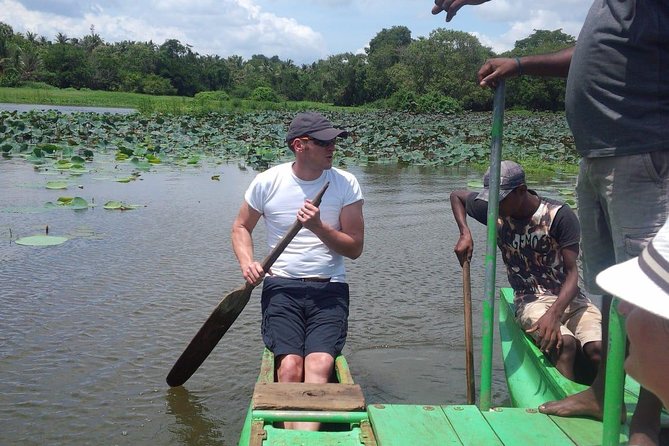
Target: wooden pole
469,341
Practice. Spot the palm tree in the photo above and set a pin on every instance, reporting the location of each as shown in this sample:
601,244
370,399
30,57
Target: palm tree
62,38
30,64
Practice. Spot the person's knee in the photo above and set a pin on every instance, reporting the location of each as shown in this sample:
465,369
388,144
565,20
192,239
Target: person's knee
593,351
319,364
569,347
290,369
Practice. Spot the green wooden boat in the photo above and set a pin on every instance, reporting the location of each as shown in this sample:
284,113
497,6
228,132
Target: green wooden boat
339,406
348,421
531,378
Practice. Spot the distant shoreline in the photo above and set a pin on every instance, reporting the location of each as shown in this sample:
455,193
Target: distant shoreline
65,108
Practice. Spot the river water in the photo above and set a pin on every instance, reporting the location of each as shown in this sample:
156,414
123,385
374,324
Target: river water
90,328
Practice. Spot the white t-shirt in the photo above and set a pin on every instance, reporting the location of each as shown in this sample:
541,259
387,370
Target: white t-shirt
278,194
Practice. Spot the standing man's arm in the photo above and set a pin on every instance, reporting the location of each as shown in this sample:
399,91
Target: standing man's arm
452,6
548,325
465,245
545,65
349,240
242,243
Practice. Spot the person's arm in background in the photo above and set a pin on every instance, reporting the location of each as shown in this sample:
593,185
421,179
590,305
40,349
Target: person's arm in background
546,65
465,245
551,64
452,6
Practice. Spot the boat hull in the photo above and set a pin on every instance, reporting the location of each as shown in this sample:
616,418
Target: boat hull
338,406
530,377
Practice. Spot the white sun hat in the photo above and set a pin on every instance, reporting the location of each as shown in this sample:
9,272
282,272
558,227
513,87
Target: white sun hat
644,280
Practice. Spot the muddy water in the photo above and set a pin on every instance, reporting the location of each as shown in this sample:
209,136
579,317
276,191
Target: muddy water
89,329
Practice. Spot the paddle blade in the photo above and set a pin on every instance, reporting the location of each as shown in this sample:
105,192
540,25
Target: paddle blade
208,336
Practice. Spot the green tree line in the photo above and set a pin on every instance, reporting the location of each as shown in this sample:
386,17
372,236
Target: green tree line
428,74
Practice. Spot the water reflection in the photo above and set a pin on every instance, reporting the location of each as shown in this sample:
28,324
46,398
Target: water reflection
193,424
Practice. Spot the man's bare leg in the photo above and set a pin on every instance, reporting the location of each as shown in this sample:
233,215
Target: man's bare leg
590,402
317,370
290,368
565,359
645,424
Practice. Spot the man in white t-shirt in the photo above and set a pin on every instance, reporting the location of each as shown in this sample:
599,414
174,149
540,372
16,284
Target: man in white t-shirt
305,296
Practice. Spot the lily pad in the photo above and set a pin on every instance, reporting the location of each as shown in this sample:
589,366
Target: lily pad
56,185
41,240
68,202
475,184
63,165
120,206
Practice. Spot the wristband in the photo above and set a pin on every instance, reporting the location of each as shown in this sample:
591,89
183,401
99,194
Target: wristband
520,67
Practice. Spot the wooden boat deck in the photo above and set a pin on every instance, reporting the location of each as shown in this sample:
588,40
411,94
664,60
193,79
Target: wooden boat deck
467,425
353,423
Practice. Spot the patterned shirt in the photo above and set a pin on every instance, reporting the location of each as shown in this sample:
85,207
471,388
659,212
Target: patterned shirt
531,248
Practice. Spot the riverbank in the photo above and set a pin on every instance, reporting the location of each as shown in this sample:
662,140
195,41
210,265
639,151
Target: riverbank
147,104
21,108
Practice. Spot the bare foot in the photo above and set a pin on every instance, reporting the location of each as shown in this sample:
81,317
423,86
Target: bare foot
645,425
584,403
643,439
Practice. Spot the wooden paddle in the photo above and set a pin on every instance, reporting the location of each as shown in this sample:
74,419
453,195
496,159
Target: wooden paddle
469,342
226,313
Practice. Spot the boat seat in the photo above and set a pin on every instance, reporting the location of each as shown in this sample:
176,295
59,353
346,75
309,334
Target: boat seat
306,396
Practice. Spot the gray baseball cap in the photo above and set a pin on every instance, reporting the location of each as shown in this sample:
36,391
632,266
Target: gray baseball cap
511,176
314,125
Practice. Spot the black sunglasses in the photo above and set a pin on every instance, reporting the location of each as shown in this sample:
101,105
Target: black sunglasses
320,142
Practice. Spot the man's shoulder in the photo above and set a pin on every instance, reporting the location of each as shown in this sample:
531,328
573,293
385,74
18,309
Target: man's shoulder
271,174
552,201
343,173
342,177
274,170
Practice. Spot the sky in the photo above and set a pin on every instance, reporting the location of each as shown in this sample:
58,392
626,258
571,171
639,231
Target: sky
303,31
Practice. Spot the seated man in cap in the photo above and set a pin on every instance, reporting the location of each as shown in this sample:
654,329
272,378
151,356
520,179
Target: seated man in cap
539,239
305,298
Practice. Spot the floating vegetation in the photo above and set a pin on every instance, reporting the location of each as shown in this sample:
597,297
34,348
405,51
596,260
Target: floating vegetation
41,240
69,203
56,185
120,206
68,142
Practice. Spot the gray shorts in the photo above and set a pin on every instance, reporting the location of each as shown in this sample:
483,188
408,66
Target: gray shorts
623,201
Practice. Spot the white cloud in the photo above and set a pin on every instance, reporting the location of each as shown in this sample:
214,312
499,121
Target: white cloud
291,29
228,27
519,19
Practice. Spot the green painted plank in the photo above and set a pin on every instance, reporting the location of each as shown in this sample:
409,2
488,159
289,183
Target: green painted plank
584,431
470,426
525,427
289,437
407,425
